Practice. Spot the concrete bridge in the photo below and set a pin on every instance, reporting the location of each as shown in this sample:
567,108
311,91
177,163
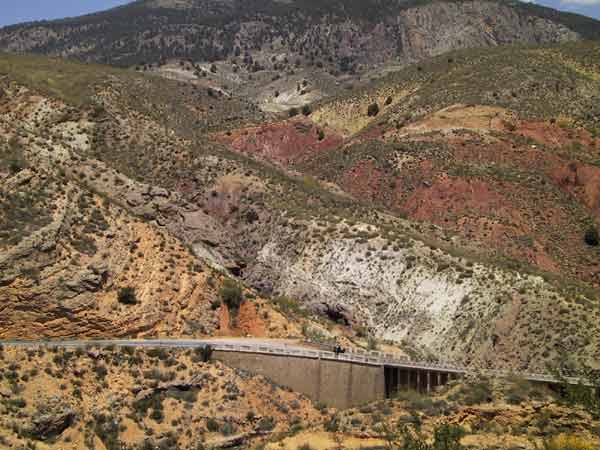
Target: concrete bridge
339,380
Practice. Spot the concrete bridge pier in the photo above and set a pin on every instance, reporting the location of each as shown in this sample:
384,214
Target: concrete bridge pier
422,380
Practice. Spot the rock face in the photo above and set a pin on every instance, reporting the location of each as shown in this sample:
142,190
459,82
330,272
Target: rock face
433,302
441,27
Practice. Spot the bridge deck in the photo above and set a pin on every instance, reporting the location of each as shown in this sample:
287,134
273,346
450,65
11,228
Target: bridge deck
264,347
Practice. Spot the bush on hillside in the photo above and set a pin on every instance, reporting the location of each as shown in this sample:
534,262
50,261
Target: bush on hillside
473,394
591,237
127,296
373,110
231,294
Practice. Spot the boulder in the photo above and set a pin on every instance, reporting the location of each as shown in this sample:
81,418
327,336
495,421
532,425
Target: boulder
49,424
94,354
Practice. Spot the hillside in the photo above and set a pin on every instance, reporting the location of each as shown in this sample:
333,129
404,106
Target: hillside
507,158
414,177
141,399
128,194
269,49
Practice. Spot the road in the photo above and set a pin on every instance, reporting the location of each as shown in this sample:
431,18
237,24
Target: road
291,348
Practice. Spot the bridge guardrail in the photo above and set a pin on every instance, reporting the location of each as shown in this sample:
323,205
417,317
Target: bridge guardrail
371,358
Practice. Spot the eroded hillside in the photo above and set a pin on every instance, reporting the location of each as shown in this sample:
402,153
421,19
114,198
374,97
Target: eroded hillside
130,196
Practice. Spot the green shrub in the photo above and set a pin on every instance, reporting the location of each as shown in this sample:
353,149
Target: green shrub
157,415
266,424
473,394
446,437
228,429
373,110
332,425
127,296
520,390
202,354
231,294
212,425
591,237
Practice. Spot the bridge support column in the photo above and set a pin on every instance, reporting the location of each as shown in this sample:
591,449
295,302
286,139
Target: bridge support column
428,381
404,381
418,380
319,363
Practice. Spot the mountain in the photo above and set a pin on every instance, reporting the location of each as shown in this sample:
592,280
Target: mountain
280,34
262,47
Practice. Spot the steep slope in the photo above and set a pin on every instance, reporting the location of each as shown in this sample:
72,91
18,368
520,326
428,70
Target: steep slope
506,158
75,233
285,235
505,161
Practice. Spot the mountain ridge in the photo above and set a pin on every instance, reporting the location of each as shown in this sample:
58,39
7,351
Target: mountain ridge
199,38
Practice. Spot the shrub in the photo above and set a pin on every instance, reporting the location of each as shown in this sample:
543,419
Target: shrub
15,403
373,110
293,112
266,424
332,425
202,354
521,390
157,352
591,237
473,394
321,135
446,437
372,344
127,296
306,110
212,425
100,371
231,294
157,415
228,429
